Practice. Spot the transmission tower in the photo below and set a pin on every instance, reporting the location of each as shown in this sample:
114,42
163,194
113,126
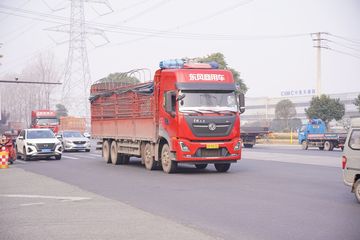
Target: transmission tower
77,78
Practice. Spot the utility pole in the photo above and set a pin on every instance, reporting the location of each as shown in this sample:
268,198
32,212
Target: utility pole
319,40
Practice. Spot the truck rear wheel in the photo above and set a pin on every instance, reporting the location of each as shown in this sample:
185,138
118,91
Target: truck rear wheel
248,145
148,158
168,165
106,151
114,156
222,167
328,146
304,145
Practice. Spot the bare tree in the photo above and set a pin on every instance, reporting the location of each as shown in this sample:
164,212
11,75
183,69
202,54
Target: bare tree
21,99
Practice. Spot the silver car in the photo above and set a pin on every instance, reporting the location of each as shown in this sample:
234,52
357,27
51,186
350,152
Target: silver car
74,141
351,158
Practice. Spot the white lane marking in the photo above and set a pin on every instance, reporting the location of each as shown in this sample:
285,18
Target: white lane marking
69,157
31,204
62,198
95,155
21,161
294,158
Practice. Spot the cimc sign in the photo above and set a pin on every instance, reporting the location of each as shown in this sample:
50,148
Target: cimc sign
299,92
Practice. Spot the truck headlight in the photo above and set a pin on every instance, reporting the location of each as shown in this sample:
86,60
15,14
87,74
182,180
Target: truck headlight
183,147
237,146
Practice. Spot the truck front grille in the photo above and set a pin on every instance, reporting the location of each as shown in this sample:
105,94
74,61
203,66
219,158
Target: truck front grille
203,152
45,146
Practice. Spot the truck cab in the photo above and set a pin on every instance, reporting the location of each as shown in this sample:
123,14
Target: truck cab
45,119
314,126
200,114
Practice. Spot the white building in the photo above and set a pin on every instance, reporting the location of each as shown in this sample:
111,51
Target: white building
263,108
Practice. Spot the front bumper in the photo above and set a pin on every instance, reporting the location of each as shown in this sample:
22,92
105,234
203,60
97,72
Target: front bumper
35,152
207,151
69,146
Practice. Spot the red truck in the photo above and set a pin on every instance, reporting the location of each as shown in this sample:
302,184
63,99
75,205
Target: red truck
189,113
44,119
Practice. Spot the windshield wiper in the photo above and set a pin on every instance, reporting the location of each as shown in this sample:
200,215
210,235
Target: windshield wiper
194,111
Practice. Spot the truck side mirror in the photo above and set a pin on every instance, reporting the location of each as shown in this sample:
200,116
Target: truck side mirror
241,103
20,137
170,100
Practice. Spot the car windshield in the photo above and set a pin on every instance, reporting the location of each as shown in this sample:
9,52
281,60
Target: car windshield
72,135
47,121
34,134
219,101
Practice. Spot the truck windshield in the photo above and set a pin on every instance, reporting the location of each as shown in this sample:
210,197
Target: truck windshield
34,134
219,101
47,121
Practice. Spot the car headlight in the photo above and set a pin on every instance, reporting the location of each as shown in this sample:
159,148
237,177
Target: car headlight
30,144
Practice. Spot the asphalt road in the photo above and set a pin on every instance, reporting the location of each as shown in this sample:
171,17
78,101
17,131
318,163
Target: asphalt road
275,192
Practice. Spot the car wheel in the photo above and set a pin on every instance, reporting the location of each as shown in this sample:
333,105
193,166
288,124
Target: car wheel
87,150
18,156
357,190
25,157
58,157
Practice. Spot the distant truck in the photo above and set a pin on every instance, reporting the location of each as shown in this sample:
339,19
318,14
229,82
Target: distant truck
73,123
189,113
45,119
314,134
249,134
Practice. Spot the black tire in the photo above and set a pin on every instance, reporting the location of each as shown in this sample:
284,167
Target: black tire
357,190
87,150
18,156
342,148
58,157
201,166
114,155
328,146
148,158
222,167
25,157
168,165
106,151
321,148
247,145
304,145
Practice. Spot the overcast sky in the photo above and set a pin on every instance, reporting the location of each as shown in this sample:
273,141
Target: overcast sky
269,42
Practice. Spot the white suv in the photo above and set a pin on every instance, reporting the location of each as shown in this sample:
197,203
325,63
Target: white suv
351,158
38,143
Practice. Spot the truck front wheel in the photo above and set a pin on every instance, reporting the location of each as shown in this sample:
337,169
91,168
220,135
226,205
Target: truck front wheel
222,167
106,151
168,165
304,145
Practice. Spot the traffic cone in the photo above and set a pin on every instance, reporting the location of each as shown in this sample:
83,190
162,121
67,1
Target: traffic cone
4,158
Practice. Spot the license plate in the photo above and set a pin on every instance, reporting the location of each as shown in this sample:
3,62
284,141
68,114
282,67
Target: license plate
212,146
46,150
